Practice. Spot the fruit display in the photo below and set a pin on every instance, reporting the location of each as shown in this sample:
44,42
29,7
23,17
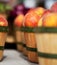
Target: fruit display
31,21
18,22
38,25
3,34
35,34
46,39
33,30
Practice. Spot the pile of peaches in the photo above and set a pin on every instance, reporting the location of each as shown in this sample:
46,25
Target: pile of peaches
38,17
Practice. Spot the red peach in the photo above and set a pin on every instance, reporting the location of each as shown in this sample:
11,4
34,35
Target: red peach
54,7
31,19
3,21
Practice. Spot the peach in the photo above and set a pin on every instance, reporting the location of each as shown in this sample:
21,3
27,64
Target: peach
50,20
54,7
3,21
47,11
31,19
39,11
40,22
31,10
19,20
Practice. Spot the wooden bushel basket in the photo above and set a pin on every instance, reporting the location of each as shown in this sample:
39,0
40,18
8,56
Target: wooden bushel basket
24,43
47,45
3,35
24,40
2,43
31,45
18,37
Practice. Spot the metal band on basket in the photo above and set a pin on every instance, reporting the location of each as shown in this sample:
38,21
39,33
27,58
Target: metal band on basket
4,29
37,29
47,55
45,30
24,29
31,49
1,47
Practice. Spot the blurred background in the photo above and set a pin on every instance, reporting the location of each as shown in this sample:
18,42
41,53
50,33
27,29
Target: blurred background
12,8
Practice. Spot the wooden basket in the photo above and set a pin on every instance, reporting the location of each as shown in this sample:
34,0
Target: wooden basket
31,47
18,35
30,42
3,35
47,45
26,41
2,43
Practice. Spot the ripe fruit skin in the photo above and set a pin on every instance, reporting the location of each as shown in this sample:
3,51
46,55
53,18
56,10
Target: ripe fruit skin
47,11
39,11
31,10
31,19
50,20
54,7
19,20
33,16
3,21
40,22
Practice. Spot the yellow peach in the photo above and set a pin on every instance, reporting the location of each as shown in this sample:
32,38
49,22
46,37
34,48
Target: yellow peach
19,20
50,20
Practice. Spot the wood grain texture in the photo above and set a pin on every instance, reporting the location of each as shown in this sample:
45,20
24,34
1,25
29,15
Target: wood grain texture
18,35
31,42
47,43
2,42
26,41
2,38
